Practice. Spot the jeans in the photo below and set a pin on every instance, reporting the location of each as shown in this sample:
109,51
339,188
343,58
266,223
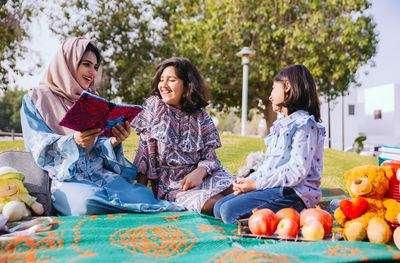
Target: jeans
232,207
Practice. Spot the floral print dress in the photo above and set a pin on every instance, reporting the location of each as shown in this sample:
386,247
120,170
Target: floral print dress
172,144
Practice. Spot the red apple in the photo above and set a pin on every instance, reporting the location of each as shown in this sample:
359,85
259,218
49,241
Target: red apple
317,214
288,213
313,230
263,222
288,228
396,237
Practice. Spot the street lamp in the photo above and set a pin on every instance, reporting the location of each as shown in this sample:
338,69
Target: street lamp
246,53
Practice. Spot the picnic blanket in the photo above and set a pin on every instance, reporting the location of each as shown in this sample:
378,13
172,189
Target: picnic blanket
175,237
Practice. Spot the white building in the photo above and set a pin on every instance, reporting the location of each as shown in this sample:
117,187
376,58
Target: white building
373,112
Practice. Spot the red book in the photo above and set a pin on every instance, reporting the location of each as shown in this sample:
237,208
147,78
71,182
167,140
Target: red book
90,111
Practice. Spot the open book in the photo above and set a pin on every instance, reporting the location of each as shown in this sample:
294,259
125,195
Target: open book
90,111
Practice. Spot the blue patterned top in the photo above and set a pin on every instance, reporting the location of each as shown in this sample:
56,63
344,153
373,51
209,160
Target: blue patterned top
64,160
294,157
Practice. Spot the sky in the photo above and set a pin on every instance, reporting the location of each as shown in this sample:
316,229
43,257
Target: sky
387,17
386,14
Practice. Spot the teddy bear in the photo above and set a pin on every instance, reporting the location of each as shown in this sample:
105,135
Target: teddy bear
14,196
369,213
253,161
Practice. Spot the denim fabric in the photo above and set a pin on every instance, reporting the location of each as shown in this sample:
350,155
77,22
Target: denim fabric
118,196
232,207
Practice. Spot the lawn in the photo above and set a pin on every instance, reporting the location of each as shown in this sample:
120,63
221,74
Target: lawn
234,151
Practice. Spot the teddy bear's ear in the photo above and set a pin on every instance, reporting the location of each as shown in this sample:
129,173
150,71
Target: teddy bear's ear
387,171
348,173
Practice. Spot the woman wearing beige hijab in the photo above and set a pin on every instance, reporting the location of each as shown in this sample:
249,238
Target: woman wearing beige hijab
89,173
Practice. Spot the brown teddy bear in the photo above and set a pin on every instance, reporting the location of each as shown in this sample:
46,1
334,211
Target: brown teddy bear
368,215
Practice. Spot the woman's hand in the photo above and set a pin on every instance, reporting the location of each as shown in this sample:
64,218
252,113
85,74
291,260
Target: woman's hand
87,138
243,185
193,179
121,133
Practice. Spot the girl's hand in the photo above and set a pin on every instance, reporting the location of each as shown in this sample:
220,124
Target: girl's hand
87,138
193,179
121,133
243,185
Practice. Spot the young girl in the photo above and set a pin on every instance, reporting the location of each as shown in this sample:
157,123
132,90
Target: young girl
291,172
178,140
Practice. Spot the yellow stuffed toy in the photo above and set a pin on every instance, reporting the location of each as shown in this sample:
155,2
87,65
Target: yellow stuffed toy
13,195
368,215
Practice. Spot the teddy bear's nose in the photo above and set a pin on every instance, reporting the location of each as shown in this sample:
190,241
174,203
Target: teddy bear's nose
358,181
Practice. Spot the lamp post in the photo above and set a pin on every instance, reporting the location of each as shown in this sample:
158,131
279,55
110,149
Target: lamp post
246,53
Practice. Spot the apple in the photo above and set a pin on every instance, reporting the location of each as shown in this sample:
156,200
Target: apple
317,214
263,222
287,228
313,230
396,237
289,213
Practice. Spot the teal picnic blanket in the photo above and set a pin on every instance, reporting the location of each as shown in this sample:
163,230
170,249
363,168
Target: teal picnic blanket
175,237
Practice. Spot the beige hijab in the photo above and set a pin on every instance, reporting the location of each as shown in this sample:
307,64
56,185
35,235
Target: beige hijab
59,88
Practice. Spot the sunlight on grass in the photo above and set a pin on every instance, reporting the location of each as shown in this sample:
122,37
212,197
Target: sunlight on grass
235,149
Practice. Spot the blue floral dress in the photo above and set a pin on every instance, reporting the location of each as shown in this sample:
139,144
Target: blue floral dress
99,182
172,144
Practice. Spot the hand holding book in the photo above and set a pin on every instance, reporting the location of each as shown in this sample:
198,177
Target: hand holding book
90,112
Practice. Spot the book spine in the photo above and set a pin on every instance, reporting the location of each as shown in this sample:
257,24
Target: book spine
386,149
390,156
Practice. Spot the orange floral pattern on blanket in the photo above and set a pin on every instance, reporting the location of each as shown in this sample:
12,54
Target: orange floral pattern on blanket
209,228
172,218
241,255
24,249
157,241
342,251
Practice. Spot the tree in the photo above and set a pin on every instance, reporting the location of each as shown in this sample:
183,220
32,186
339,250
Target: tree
127,33
15,17
332,38
10,105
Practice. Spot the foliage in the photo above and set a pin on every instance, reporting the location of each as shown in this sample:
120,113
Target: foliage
15,18
10,105
127,33
358,144
332,38
235,149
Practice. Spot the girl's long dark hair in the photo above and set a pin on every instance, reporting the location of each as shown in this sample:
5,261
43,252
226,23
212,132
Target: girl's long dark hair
195,94
303,91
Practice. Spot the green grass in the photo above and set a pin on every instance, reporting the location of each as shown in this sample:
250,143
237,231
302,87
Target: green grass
235,149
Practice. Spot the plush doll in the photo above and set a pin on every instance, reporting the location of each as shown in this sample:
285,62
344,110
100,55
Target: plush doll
14,195
253,161
368,215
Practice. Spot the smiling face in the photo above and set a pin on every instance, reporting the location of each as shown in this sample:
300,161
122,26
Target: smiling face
87,70
279,88
171,87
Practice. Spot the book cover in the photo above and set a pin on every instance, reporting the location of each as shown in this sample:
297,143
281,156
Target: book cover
90,111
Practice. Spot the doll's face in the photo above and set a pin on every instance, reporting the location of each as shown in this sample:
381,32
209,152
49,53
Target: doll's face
7,188
87,70
171,87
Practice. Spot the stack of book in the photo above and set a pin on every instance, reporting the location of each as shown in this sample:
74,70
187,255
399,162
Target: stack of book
389,153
